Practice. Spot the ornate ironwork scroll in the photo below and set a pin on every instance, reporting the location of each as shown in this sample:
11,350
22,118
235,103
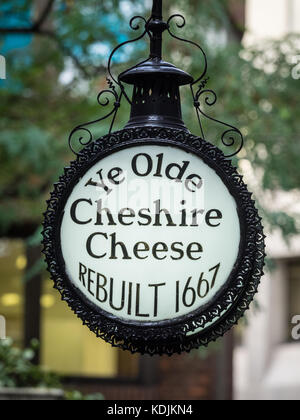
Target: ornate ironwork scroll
202,97
231,136
156,120
82,135
198,328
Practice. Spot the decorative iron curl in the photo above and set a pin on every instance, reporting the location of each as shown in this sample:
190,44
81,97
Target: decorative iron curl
81,134
228,138
197,328
84,135
232,135
80,137
130,41
180,26
137,26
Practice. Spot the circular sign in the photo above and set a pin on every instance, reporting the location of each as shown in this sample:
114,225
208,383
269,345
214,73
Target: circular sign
153,240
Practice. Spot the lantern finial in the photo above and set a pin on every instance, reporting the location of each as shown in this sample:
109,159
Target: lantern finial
156,27
157,9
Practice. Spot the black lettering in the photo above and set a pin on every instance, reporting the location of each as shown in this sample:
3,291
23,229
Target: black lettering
100,184
183,216
181,170
82,273
100,210
179,251
129,298
156,286
195,218
216,270
213,215
147,217
156,250
123,215
159,165
158,212
177,296
114,245
137,308
90,281
89,244
190,251
101,287
189,181
149,165
114,174
111,295
74,208
189,291
141,247
202,281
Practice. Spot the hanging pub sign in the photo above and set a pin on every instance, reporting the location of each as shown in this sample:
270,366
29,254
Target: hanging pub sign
151,235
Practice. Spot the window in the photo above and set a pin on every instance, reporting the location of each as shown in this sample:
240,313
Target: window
71,349
293,289
67,347
12,265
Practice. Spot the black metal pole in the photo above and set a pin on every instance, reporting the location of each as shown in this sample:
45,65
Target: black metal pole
32,308
157,9
157,26
224,369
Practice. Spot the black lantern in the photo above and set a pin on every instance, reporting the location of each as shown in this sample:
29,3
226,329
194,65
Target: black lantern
147,277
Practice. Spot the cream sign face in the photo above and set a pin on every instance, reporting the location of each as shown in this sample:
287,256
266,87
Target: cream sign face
154,241
150,234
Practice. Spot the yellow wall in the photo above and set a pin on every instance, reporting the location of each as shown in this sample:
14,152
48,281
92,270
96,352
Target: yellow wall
67,347
12,265
70,348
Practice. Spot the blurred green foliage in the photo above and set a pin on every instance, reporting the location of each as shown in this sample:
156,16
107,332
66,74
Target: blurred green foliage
78,396
53,84
17,369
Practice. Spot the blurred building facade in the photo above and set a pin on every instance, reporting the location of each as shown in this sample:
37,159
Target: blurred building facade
267,362
33,309
266,365
87,363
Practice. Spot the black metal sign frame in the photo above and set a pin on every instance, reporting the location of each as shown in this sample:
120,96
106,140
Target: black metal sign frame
194,329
